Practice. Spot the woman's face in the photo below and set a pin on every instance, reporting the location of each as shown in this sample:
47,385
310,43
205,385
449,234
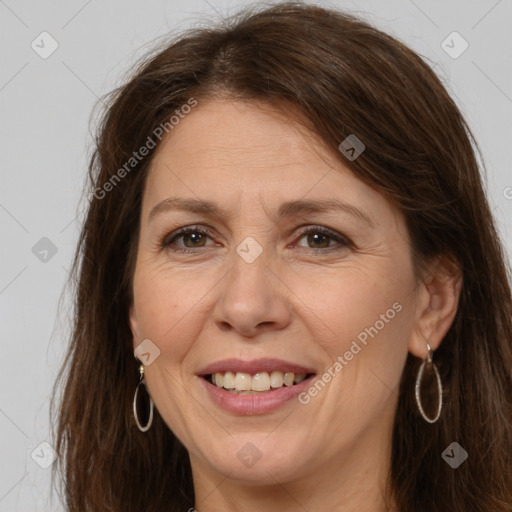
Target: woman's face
293,265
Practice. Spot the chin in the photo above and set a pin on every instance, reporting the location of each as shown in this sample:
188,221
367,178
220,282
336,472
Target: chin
257,459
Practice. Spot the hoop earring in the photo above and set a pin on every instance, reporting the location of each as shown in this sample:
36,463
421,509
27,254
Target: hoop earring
428,359
150,419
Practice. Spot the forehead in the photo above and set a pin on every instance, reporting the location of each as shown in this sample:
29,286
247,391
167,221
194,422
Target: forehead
230,132
226,150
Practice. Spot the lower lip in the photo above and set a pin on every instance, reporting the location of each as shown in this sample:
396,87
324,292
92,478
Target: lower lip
250,405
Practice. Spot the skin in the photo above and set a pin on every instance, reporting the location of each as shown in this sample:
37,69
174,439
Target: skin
304,299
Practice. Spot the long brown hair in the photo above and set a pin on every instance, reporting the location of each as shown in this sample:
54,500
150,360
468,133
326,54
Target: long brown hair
344,77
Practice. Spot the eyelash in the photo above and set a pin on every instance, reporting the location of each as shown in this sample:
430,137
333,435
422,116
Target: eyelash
170,239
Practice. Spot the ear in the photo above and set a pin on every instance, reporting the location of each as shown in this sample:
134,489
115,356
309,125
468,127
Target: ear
437,300
134,325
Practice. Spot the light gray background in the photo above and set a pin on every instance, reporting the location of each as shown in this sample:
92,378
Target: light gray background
45,105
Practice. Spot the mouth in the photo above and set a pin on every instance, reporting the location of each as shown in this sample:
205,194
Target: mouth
254,387
243,383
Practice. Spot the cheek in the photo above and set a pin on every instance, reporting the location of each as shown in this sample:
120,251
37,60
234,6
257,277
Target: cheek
168,310
169,307
353,304
364,318
365,362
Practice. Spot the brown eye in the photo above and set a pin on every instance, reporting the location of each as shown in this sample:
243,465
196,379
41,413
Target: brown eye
196,239
318,240
323,238
191,238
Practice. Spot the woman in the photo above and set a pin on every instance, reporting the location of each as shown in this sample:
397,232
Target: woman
287,228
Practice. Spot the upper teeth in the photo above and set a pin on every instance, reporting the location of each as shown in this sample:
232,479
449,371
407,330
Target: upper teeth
261,381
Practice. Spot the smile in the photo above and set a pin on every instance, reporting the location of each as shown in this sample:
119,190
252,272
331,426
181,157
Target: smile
243,383
254,387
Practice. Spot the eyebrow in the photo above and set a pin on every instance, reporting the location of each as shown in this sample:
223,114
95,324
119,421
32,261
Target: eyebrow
287,209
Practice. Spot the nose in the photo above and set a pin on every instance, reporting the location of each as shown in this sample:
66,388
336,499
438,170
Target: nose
253,299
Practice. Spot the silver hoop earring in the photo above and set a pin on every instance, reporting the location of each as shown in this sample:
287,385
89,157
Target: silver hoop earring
428,359
142,381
